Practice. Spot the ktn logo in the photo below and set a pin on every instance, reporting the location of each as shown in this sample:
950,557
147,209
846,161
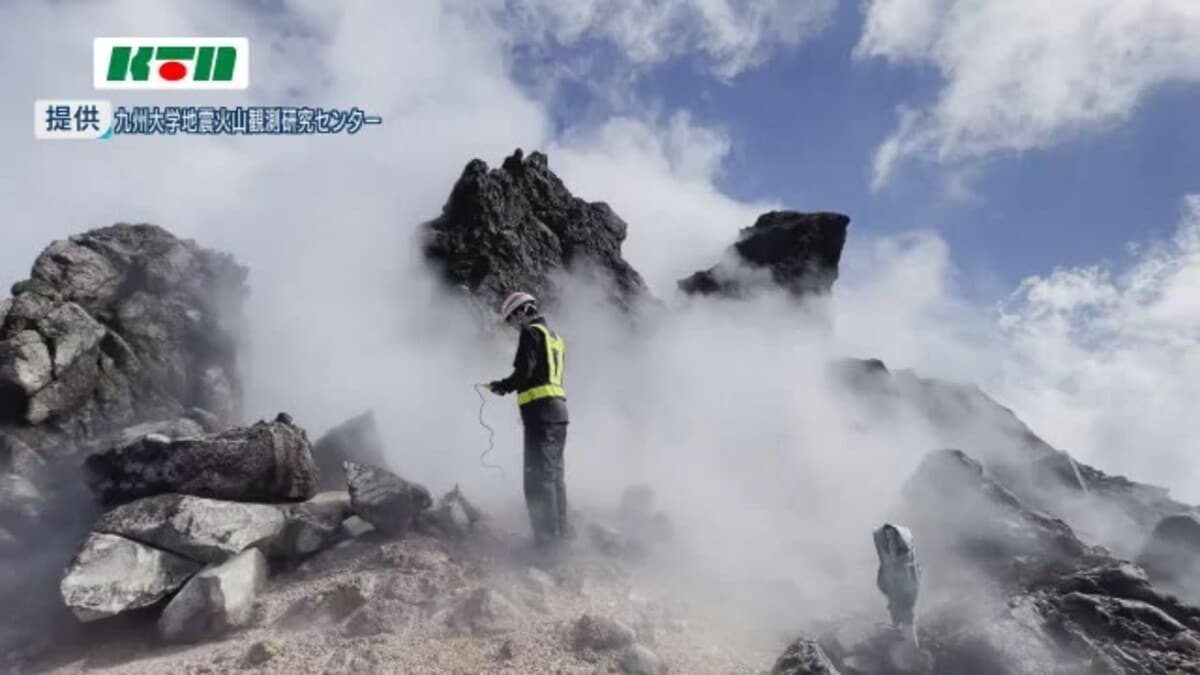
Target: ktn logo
171,63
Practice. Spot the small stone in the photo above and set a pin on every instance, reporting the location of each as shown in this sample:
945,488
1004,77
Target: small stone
507,651
260,652
325,609
638,660
599,633
480,612
354,526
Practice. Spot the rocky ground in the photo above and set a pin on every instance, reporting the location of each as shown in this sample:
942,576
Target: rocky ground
425,604
145,527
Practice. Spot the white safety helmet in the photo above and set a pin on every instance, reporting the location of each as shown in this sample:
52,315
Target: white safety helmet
514,302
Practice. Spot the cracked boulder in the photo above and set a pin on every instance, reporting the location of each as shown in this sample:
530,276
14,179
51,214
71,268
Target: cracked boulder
112,574
215,600
207,530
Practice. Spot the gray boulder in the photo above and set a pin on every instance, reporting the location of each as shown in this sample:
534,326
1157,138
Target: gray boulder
266,462
111,574
311,526
384,499
215,600
207,530
356,440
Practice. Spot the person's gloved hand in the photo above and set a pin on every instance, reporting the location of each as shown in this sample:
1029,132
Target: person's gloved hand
497,387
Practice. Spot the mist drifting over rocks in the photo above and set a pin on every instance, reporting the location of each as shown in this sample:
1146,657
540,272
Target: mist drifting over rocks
727,469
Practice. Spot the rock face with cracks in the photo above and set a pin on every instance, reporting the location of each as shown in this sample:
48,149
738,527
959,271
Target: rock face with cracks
266,462
798,252
516,227
112,574
114,327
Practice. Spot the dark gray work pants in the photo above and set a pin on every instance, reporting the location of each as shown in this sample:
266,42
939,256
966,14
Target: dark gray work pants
545,488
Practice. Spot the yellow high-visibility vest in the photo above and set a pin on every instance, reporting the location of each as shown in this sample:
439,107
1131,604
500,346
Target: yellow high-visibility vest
555,350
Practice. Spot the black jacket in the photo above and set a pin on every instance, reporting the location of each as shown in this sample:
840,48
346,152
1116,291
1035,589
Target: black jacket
530,369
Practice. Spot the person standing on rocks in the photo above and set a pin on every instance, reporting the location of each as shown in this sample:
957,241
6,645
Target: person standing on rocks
537,379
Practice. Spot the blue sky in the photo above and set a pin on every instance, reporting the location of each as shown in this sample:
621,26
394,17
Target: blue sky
805,125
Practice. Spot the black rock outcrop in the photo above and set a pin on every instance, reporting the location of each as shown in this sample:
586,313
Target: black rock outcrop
518,226
799,252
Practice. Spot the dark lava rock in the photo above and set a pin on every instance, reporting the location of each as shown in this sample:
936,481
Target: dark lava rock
516,227
266,462
384,499
795,251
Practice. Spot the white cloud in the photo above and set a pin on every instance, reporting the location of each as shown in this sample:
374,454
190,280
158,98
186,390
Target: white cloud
733,35
1106,362
659,178
1026,74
